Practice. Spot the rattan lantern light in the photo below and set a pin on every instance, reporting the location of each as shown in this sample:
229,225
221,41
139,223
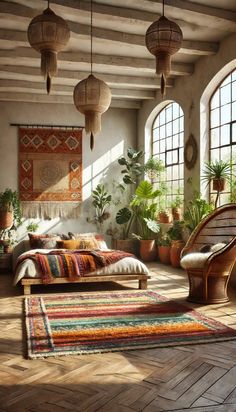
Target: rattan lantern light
48,34
92,97
163,39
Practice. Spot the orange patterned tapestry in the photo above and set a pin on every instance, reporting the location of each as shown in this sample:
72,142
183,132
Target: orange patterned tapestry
50,172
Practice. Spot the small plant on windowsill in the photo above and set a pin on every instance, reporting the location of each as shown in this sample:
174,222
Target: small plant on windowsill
153,168
32,227
219,173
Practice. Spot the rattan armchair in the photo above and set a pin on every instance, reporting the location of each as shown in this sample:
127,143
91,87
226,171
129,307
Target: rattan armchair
209,272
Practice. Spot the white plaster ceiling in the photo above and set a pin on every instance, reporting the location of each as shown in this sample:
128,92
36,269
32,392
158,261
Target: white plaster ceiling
120,56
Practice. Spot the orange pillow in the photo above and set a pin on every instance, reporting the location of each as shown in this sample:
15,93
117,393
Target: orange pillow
85,243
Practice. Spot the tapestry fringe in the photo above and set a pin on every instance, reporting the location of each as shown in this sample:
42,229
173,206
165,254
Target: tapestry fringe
51,210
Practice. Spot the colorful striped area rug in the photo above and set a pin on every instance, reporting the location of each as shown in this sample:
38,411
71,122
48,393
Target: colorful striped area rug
114,321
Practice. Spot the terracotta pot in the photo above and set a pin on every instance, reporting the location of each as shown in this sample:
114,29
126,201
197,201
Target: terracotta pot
176,213
164,217
219,184
164,254
6,220
175,252
127,245
148,250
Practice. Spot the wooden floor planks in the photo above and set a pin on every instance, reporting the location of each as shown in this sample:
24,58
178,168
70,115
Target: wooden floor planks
199,378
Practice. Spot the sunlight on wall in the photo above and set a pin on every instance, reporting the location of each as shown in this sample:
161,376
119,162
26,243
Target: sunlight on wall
95,173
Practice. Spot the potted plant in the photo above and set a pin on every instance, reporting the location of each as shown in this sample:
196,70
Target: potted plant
145,209
175,234
10,212
196,210
124,218
164,246
153,167
32,227
176,204
218,172
101,200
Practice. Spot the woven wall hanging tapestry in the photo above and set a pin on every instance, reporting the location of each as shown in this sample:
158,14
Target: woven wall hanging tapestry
50,172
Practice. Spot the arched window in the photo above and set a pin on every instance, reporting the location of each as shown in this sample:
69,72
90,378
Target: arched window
222,144
168,145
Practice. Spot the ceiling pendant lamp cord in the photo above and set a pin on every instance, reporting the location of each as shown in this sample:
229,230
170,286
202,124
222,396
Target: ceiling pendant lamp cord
162,7
48,4
91,34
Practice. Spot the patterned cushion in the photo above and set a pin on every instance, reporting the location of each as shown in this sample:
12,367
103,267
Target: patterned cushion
49,242
39,241
101,243
86,243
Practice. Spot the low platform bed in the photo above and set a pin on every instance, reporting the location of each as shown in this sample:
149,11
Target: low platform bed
142,279
63,266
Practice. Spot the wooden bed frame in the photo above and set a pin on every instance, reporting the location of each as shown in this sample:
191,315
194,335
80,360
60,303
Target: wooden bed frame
142,279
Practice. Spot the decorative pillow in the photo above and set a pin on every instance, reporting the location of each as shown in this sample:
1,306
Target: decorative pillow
49,242
101,243
35,240
194,260
89,243
205,248
217,247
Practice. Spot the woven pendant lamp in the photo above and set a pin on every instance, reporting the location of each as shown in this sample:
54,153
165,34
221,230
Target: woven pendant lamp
92,97
48,34
163,39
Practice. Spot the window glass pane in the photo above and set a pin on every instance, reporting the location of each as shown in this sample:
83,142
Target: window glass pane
175,126
181,124
162,132
215,118
156,122
162,146
225,153
215,139
169,143
156,134
225,94
162,117
234,132
169,114
175,156
169,129
234,91
175,110
181,139
225,113
169,158
234,75
175,141
215,101
181,155
155,148
215,153
225,135
233,111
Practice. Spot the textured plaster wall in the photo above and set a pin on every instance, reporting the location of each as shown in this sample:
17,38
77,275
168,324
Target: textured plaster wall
193,94
119,127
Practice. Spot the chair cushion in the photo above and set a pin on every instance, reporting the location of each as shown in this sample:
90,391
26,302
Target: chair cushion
195,260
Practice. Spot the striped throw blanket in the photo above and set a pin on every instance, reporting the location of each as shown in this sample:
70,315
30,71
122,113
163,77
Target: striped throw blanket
71,264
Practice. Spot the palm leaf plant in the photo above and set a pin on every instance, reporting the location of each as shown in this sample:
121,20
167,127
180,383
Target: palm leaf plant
196,210
145,210
219,172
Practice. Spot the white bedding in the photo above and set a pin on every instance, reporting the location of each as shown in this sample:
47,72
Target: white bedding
29,269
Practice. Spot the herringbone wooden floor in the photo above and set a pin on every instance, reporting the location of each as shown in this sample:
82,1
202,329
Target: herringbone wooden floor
200,378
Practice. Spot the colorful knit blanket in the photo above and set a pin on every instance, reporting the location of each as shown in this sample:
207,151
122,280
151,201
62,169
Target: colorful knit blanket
73,263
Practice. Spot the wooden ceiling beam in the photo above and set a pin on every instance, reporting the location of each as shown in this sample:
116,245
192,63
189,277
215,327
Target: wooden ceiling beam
53,99
80,31
22,86
24,55
69,77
